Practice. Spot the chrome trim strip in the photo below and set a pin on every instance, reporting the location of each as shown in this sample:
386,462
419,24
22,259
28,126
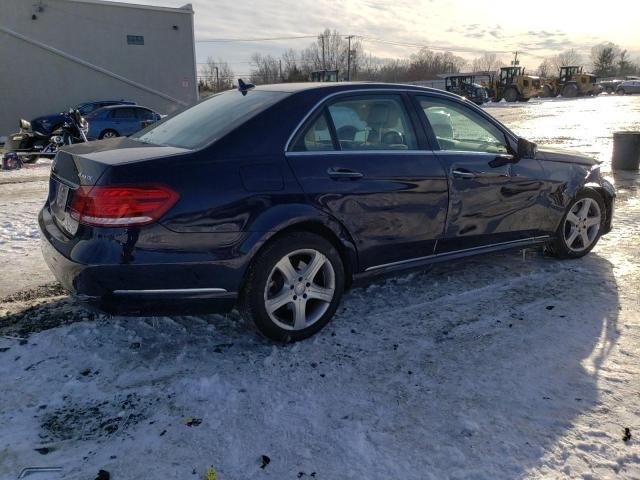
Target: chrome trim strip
437,255
359,152
170,291
443,153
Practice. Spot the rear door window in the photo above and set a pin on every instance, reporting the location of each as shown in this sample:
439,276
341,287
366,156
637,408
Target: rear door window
372,122
316,137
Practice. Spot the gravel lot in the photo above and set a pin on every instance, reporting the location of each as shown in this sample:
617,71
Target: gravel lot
505,366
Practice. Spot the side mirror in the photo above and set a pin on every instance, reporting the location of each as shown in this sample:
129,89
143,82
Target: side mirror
526,149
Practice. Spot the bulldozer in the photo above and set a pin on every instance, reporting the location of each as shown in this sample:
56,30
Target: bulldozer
514,85
571,82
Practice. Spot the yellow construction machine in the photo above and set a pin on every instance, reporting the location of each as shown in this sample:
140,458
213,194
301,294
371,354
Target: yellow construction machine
572,82
514,85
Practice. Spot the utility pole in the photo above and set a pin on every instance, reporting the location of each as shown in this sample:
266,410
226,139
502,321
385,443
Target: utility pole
217,79
323,65
281,77
515,61
349,37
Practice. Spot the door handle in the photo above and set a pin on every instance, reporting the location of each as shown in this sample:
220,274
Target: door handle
463,174
339,172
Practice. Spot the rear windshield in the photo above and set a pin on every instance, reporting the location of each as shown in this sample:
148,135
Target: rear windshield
209,120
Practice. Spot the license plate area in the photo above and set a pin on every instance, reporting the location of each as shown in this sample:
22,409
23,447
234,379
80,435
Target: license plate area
59,200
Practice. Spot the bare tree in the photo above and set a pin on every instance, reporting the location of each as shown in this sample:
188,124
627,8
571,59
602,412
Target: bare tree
265,69
546,69
603,57
625,66
487,62
566,58
216,76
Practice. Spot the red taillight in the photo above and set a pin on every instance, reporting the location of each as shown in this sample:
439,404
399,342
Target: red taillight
121,206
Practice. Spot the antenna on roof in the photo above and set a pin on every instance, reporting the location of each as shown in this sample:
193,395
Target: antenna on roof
244,87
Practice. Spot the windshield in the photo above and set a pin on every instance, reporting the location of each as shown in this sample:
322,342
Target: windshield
85,108
209,120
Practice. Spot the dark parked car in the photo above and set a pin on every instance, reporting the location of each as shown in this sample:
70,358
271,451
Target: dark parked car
628,87
254,198
47,124
119,121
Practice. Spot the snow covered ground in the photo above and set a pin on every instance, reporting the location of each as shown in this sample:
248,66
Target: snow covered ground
505,366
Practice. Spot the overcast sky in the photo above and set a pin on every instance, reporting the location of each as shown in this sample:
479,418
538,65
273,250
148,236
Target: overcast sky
539,29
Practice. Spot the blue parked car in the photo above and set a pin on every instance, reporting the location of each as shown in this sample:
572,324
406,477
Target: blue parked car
119,121
47,124
278,198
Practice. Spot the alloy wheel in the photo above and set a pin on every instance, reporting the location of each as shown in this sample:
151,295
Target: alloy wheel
299,289
582,224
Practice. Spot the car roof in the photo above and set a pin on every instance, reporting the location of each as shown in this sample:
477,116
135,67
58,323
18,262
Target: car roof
344,86
115,107
122,102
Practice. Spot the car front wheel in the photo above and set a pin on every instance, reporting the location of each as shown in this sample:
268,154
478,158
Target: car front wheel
109,134
580,228
294,287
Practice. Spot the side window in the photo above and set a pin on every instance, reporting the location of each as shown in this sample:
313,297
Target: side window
144,114
124,114
316,138
372,122
459,128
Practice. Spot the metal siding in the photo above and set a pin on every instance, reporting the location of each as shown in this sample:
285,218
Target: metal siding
35,81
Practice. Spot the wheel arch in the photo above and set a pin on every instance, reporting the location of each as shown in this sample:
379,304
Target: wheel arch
322,225
607,195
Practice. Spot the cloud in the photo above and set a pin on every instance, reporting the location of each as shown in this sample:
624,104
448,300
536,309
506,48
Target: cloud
440,24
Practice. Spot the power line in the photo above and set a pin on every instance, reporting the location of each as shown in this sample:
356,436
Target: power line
360,37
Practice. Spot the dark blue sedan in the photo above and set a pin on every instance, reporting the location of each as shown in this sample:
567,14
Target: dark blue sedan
278,198
47,124
119,121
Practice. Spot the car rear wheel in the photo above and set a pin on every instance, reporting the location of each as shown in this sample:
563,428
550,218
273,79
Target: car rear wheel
620,91
109,134
294,287
580,228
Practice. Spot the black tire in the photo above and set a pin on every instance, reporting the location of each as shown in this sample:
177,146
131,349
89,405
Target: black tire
511,94
570,90
560,246
264,276
547,91
108,133
524,100
621,91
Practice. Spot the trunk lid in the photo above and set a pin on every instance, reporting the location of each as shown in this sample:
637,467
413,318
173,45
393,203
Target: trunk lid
85,164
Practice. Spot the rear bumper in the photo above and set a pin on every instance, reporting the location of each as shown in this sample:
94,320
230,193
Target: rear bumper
139,288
